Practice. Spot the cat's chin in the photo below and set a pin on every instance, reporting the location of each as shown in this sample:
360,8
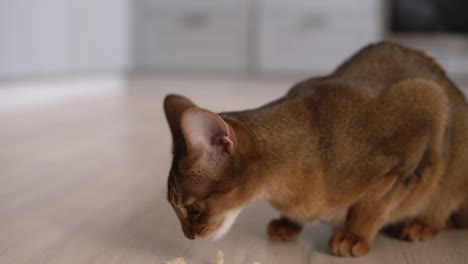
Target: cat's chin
228,221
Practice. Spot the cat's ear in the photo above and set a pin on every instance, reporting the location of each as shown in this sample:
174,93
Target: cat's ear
207,132
174,107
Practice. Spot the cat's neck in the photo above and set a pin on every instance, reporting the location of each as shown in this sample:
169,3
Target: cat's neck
279,148
263,137
279,131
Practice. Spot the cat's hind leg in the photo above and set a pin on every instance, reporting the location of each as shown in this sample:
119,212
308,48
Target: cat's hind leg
447,207
435,218
283,229
417,230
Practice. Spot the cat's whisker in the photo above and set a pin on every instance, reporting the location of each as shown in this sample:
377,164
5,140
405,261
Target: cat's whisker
175,185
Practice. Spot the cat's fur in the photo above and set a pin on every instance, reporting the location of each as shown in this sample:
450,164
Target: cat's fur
383,139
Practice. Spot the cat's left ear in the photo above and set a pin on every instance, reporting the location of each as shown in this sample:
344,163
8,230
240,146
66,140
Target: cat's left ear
174,107
207,132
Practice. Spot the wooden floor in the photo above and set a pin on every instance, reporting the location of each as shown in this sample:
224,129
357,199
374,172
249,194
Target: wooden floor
85,183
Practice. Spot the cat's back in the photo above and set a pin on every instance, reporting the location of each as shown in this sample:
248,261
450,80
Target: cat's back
380,66
390,62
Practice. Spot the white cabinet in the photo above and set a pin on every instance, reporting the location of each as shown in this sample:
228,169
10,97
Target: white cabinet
55,36
99,35
202,34
315,36
261,35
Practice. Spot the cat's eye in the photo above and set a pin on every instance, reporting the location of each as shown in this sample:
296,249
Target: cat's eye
192,209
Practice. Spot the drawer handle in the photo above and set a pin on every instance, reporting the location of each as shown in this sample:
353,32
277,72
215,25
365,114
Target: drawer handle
312,22
195,20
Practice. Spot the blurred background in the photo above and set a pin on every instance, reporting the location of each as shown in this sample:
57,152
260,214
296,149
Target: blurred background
85,148
124,39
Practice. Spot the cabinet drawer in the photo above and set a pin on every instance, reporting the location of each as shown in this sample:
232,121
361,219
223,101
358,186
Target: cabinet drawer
317,35
204,34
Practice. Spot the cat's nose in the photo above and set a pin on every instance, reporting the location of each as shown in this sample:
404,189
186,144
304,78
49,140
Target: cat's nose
188,232
191,235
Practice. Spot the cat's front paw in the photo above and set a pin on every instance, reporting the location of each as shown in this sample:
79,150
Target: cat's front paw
414,230
347,244
283,229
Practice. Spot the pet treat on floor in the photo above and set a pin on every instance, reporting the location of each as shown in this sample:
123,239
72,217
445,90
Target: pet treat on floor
219,257
176,261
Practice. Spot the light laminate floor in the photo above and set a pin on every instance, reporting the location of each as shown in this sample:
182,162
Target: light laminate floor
85,183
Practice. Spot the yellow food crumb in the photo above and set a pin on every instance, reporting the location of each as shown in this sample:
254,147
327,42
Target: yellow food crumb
219,257
176,261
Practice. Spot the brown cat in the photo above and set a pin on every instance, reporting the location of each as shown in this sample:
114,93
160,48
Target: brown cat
382,140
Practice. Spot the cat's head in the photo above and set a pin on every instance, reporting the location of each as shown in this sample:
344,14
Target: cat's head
206,180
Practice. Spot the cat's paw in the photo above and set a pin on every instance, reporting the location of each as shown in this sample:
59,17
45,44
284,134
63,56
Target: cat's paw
347,244
283,229
414,230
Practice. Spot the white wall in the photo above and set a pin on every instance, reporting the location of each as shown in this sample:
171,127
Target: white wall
57,36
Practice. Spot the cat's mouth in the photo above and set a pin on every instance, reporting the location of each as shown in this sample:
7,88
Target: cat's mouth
220,228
